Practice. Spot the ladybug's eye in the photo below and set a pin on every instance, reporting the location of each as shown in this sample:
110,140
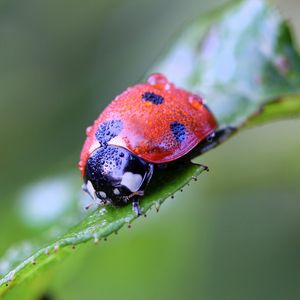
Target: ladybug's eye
115,174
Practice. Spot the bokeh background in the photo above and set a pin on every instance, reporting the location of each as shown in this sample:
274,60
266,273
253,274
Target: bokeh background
235,234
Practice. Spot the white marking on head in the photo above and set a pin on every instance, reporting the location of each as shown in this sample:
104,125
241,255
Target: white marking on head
91,190
117,141
102,194
94,147
132,181
116,191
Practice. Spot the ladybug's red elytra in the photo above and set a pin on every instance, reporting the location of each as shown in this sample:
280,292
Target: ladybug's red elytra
148,125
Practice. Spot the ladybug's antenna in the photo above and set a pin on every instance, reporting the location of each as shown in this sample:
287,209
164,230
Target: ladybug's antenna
98,202
87,207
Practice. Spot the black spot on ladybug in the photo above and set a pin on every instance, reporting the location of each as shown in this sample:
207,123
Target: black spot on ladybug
178,131
108,130
154,98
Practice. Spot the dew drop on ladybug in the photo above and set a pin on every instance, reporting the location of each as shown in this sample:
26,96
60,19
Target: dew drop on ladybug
149,125
195,101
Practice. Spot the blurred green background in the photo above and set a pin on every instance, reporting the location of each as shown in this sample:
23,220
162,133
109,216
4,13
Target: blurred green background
234,234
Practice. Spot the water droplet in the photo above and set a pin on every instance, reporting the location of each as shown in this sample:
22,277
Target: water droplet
88,130
169,87
56,247
96,239
196,101
158,80
10,276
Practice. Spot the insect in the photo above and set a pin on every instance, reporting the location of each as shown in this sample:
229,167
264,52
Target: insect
147,126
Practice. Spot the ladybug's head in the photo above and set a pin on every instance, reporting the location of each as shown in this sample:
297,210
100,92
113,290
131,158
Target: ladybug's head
113,174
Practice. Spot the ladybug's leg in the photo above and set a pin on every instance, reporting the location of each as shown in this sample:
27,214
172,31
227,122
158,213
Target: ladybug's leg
136,206
135,196
213,140
88,188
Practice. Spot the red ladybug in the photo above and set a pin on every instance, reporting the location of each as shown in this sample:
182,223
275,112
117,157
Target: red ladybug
148,125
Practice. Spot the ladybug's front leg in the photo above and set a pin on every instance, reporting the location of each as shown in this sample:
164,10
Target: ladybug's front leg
136,206
135,200
213,140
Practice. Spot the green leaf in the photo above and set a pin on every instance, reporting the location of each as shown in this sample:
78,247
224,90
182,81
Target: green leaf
99,224
287,107
243,60
240,61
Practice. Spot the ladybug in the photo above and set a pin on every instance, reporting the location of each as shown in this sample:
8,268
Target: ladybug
149,125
